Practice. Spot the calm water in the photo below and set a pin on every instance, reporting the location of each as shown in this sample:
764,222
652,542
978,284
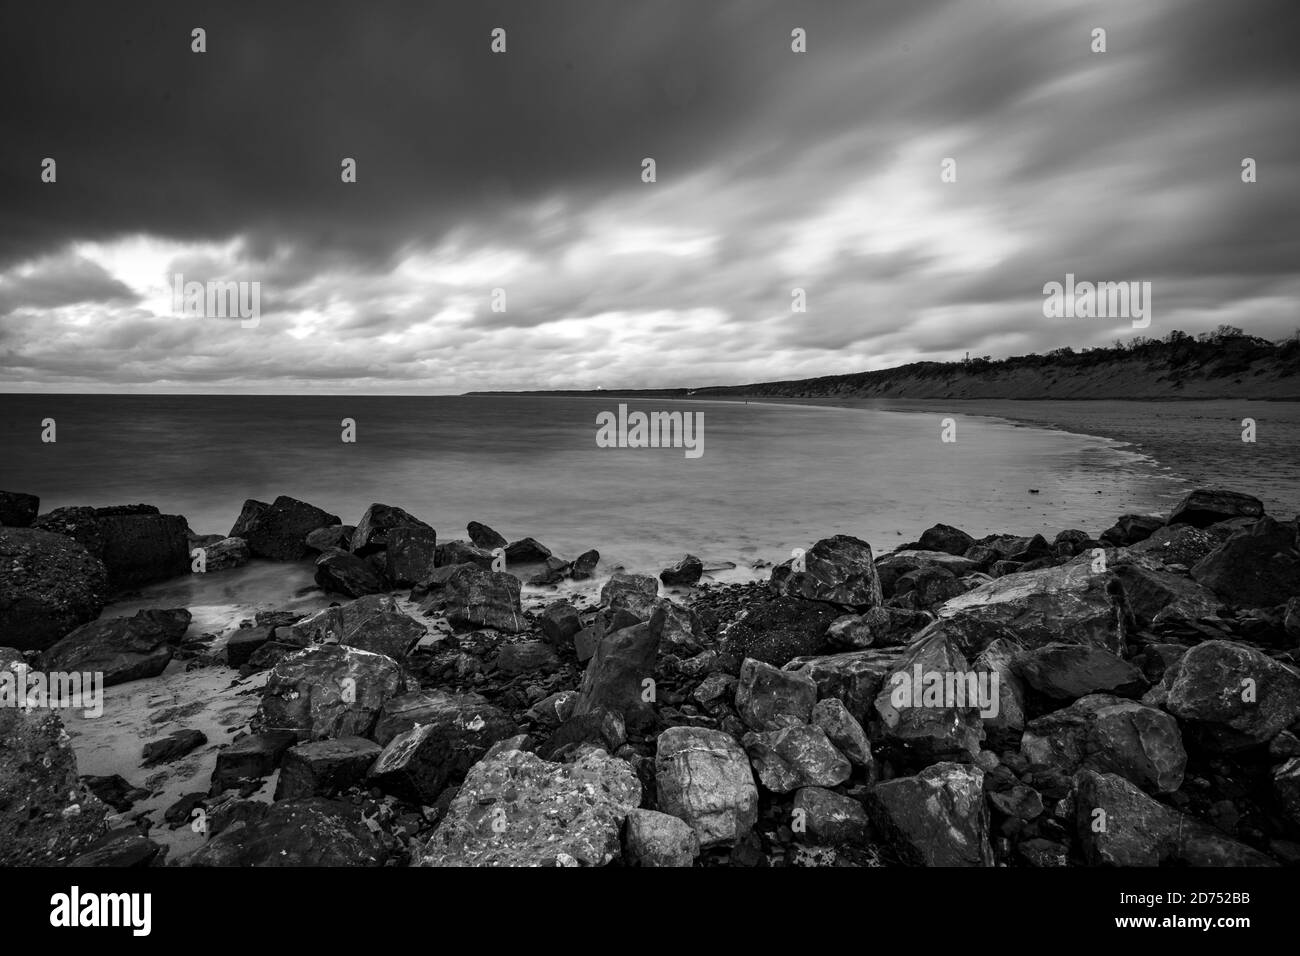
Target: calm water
772,477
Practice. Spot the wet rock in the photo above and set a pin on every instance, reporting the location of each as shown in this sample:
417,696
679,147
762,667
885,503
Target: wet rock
878,627
829,818
250,758
469,714
715,690
173,747
279,530
634,592
1130,529
329,691
602,728
343,573
838,570
1231,696
586,641
947,539
378,523
1110,735
331,536
801,756
1256,567
584,565
49,585
121,648
704,778
527,551
559,621
451,553
1157,595
616,674
138,545
484,537
1205,507
314,832
412,554
844,732
678,627
123,848
46,816
930,587
18,510
554,709
685,573
1070,671
1004,727
916,713
855,677
768,698
242,644
519,810
474,598
659,839
380,627
226,554
936,818
891,567
1180,544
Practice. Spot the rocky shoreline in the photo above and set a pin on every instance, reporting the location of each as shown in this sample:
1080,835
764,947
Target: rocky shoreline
1126,699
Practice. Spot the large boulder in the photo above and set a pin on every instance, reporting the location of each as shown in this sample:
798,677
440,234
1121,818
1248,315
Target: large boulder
685,573
946,538
1070,671
121,648
659,839
768,698
372,623
1258,566
890,567
1110,735
1155,595
515,809
279,530
323,768
377,524
877,627
854,677
412,554
485,537
800,756
17,509
473,598
225,554
49,584
329,691
839,570
1004,727
1231,696
937,818
1181,543
1130,529
1203,508
313,832
704,778
142,546
830,819
616,675
46,815
340,572
1069,603
636,593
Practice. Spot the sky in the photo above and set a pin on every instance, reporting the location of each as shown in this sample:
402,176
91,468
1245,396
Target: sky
522,171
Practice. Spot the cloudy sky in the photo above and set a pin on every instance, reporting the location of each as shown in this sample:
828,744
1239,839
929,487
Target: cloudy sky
522,171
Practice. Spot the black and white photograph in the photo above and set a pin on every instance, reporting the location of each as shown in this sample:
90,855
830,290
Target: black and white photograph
752,434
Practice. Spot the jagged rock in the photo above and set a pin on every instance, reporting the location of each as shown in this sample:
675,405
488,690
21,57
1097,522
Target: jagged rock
18,510
1130,529
947,539
554,709
1070,671
838,570
1119,825
584,565
49,585
1256,567
799,756
1069,603
516,809
376,624
458,552
586,641
685,573
616,673
473,598
844,732
1005,727
329,691
714,690
406,711
412,554
250,758
829,818
344,573
279,530
855,677
331,536
877,627
601,728
677,626
46,816
1154,595
652,838
779,629
936,818
484,537
136,544
891,567
526,656
121,648
1205,507
704,778
559,621
378,523
768,698
1231,696
242,644
174,746
1110,735
1180,544
226,554
527,551
926,725
634,592
123,848
928,587
314,832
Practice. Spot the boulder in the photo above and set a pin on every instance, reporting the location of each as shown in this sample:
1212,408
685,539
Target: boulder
844,732
418,764
878,627
123,848
830,819
329,691
527,551
800,756
947,539
452,711
1070,671
121,648
331,536
279,530
18,510
451,553
928,587
936,818
294,833
929,708
226,554
1155,595
1110,735
379,521
142,546
584,565
243,643
659,839
339,572
177,744
1231,696
704,778
49,585
515,809
1257,567
634,592
1204,507
855,677
685,573
375,623
890,567
1180,544
484,537
473,598
616,673
768,698
1130,529
250,758
838,570
559,621
412,554
46,815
